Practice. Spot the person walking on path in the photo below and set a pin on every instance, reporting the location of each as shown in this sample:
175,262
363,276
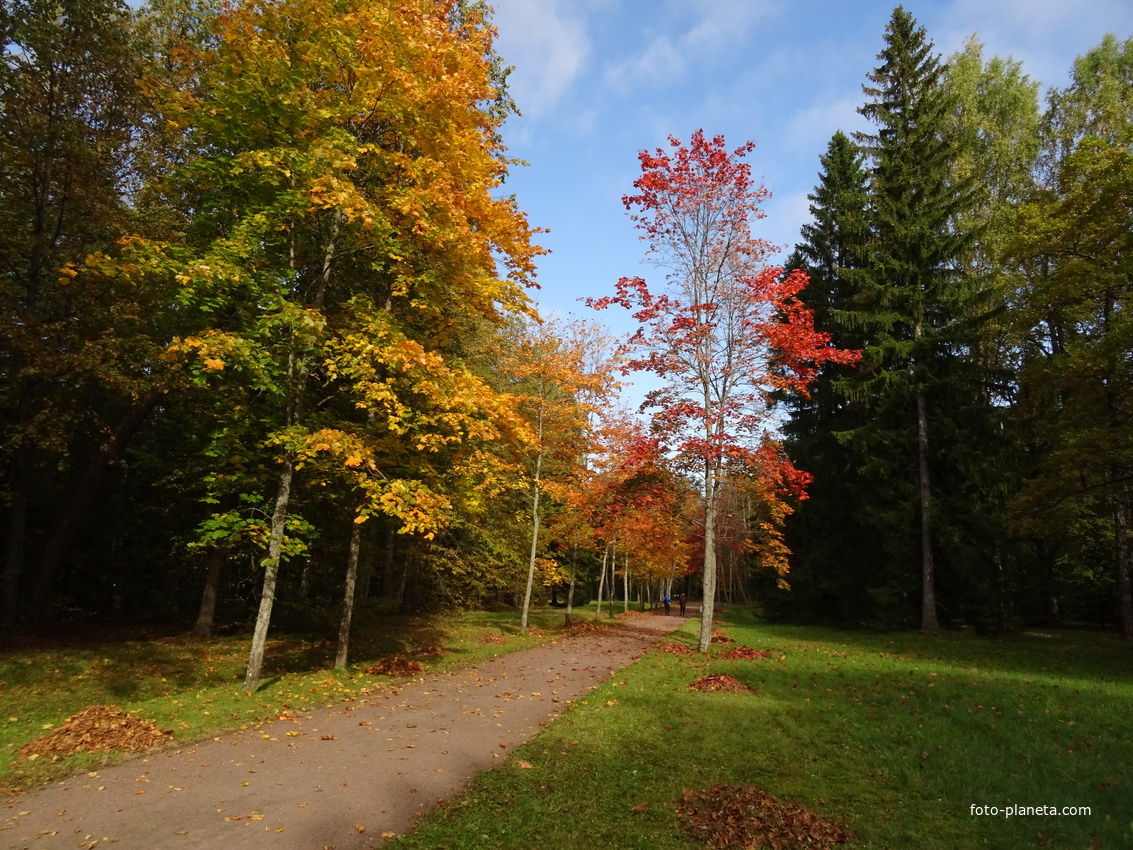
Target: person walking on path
684,602
667,602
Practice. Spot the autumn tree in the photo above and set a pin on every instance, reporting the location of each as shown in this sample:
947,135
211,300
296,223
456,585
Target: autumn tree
344,226
728,331
559,387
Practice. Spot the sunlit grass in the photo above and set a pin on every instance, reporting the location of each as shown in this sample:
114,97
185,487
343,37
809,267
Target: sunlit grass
896,735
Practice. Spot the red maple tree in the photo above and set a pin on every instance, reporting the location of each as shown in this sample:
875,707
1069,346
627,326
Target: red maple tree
728,330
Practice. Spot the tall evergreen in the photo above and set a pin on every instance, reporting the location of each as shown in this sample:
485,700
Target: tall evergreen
832,559
916,306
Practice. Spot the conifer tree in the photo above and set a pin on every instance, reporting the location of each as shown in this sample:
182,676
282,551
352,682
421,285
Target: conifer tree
916,303
830,556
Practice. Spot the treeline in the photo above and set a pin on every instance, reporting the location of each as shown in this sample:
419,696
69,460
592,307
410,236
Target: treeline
268,332
974,469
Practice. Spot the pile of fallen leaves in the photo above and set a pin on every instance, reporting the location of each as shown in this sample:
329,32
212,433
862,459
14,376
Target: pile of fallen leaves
431,651
718,683
396,665
491,638
535,630
673,648
745,653
718,636
742,816
97,729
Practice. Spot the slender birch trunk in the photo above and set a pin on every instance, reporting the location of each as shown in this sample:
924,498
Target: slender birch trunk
348,597
625,577
534,525
708,604
601,584
297,378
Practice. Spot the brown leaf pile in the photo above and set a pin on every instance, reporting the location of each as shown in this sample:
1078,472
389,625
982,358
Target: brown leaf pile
431,651
396,665
673,648
718,683
745,653
742,816
98,729
491,638
535,630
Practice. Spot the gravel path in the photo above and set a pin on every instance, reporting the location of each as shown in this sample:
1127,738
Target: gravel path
342,777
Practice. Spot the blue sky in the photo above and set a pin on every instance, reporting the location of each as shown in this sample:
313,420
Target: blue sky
598,80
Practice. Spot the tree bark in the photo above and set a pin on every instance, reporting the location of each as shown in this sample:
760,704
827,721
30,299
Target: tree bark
708,603
534,526
271,572
625,582
928,566
570,588
601,584
83,497
218,556
348,597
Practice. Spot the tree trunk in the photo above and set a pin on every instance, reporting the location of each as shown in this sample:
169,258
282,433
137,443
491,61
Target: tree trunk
625,582
928,567
534,526
708,603
601,584
83,497
570,588
271,572
348,597
217,559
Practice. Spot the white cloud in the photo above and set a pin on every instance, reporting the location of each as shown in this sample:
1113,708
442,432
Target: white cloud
667,55
548,44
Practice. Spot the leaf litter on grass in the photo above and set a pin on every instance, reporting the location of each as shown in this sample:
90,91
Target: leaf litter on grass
673,648
97,729
744,653
396,665
718,683
743,816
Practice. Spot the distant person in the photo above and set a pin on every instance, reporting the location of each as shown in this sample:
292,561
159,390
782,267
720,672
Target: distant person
684,602
667,602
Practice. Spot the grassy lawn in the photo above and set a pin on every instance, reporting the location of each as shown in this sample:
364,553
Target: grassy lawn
897,735
193,687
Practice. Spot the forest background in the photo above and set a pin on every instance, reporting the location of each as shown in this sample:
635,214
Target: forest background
270,334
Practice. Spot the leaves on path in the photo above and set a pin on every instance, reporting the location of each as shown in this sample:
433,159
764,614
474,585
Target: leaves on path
97,729
745,653
718,683
743,816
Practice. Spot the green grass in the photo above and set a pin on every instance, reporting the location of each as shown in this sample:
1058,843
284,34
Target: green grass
897,735
194,687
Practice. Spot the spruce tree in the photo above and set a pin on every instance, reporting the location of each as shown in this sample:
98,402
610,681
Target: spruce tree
915,304
832,560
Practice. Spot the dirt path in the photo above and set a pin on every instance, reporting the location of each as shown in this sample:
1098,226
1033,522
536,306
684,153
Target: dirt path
340,777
